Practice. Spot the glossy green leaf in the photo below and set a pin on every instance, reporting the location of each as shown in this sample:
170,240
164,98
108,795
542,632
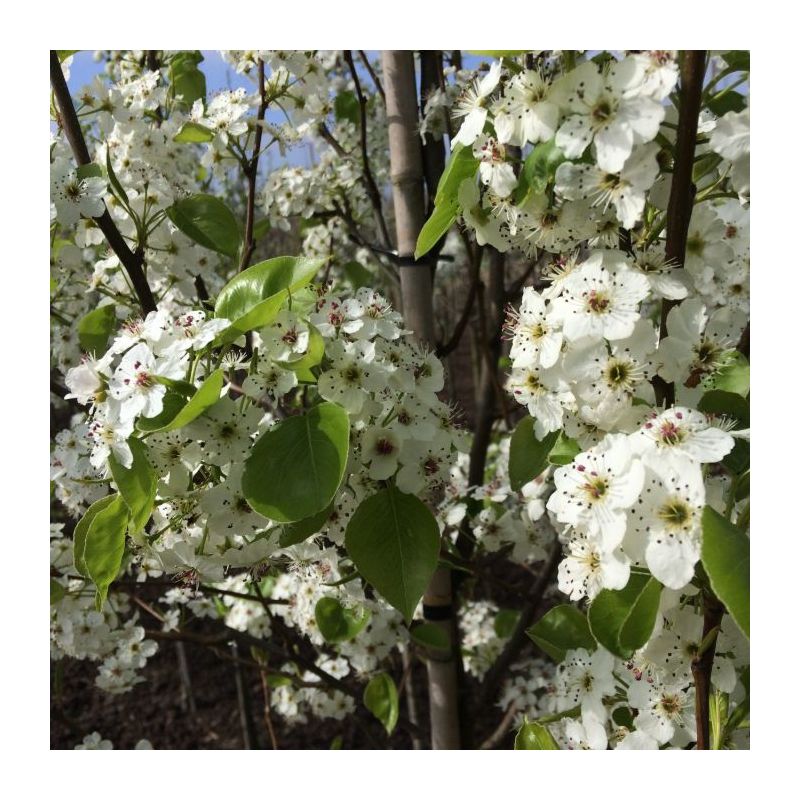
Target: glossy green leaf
63,55
337,623
95,329
296,532
208,221
728,404
725,555
393,540
562,628
193,132
82,528
538,170
295,468
733,377
252,298
564,451
430,635
89,171
436,226
173,403
380,697
533,736
462,165
528,455
205,397
105,545
347,107
622,620
187,82
505,622
137,485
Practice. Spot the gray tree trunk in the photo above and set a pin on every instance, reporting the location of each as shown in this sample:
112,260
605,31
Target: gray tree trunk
408,190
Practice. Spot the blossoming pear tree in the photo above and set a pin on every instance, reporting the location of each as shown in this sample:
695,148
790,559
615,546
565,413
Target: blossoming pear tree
447,432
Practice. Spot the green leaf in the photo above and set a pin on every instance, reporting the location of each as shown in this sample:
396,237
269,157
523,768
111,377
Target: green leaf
431,636
733,377
538,170
208,221
562,628
261,228
358,275
82,528
564,451
346,106
380,697
299,531
738,59
622,620
337,623
462,165
89,171
725,555
728,404
393,540
726,101
498,53
105,545
505,622
205,397
295,468
528,455
435,227
95,328
63,55
533,736
252,298
193,132
137,485
173,403
186,80
116,186
57,592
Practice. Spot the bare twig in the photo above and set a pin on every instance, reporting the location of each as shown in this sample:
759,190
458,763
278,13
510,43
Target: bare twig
132,262
372,188
374,75
251,173
505,723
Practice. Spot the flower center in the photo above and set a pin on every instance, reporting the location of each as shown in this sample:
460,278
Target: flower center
598,302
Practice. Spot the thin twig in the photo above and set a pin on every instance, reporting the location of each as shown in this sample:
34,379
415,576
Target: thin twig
372,188
374,75
131,261
251,173
496,737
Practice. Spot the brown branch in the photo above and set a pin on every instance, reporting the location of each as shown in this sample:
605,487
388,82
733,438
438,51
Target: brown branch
701,670
132,262
496,673
495,738
251,173
374,75
452,343
369,181
682,191
325,133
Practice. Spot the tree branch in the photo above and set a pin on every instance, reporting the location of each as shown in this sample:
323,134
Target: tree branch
701,670
251,173
372,188
131,261
496,673
682,191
